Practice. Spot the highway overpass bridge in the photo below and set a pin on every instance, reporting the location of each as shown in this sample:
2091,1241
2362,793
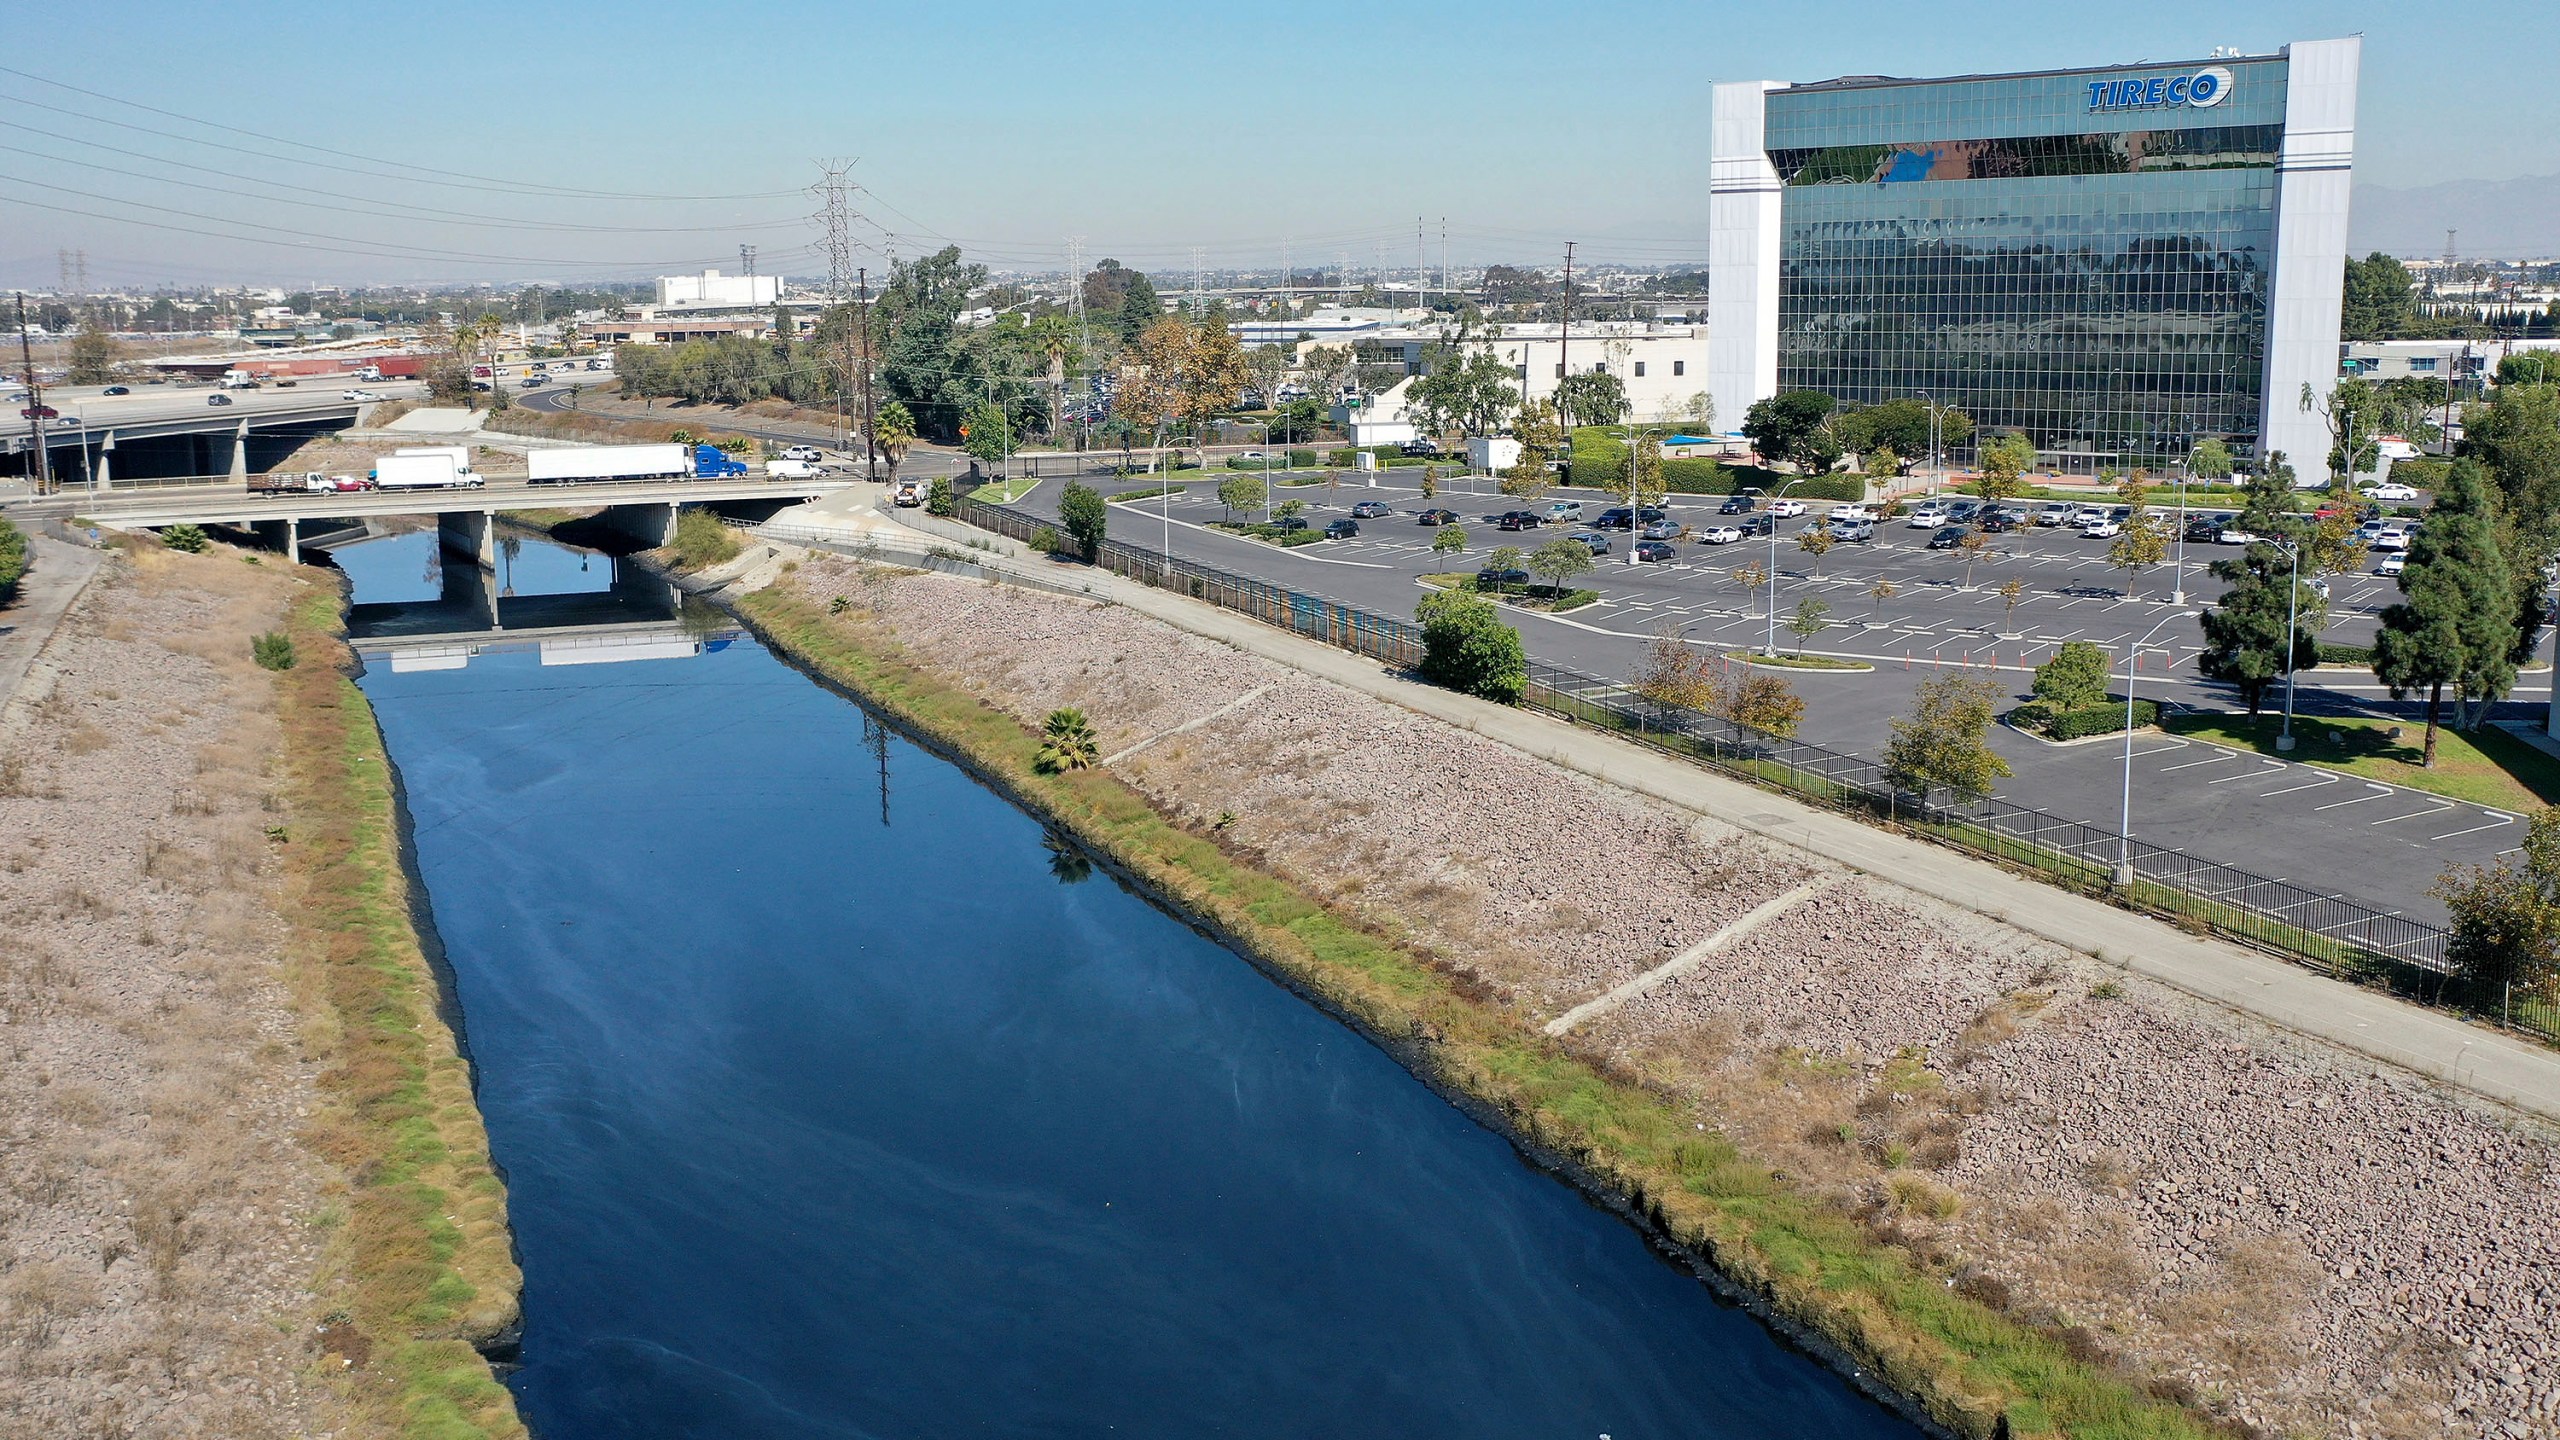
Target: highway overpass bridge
642,510
171,431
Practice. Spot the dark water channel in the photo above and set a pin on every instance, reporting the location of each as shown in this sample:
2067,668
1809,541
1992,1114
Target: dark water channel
837,1100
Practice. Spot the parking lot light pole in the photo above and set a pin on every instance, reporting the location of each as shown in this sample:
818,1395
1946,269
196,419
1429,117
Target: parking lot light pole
2292,608
2124,824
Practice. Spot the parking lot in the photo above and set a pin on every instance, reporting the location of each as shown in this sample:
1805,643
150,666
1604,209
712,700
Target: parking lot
2380,845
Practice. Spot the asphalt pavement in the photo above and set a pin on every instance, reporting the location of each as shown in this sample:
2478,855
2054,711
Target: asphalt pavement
2380,845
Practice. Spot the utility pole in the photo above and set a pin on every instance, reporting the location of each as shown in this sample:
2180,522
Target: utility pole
1419,274
35,401
870,416
1564,347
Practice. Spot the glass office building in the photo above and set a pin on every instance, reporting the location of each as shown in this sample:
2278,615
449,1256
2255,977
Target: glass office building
2115,261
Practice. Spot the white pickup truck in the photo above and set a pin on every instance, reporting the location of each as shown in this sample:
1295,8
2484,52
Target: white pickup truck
907,492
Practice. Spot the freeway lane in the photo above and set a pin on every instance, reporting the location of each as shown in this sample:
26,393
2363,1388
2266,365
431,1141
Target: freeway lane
2383,846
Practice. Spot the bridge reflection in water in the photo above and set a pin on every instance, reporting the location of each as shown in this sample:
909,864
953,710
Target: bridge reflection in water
572,606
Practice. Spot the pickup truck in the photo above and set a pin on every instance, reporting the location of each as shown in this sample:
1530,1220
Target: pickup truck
908,493
306,482
794,470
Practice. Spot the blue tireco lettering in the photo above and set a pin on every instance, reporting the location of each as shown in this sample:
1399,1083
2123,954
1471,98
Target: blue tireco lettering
2204,88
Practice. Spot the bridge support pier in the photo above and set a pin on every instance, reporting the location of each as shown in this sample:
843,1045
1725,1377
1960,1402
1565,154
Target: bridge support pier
285,535
240,453
647,525
470,535
105,478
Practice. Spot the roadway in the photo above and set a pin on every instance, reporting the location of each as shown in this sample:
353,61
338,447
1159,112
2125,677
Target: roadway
231,505
2380,844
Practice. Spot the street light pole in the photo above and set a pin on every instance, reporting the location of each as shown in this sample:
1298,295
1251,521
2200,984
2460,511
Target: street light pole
2292,607
2124,823
1772,647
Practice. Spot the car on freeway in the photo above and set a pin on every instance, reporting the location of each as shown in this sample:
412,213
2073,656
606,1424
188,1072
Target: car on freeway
1654,552
1786,509
809,453
1720,535
1492,579
217,398
1559,511
1436,517
351,483
1341,529
1421,448
2105,527
1850,529
2393,490
1928,515
2391,564
286,384
360,396
2057,513
1369,510
1949,537
39,412
528,382
1515,520
1599,543
117,390
1737,505
595,365
2391,537
1663,529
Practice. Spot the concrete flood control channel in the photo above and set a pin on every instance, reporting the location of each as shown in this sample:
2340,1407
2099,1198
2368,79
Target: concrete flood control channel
803,1138
2272,828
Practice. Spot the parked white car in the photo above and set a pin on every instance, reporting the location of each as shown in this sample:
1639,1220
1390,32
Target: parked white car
1719,535
2393,490
1928,516
2088,515
2102,528
1852,511
2056,514
2391,564
2392,537
1786,509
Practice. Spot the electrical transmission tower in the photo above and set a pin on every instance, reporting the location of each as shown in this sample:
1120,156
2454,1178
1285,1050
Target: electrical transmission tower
837,218
1084,341
747,260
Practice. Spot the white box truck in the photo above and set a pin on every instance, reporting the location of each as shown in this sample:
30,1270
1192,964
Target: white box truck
439,469
609,462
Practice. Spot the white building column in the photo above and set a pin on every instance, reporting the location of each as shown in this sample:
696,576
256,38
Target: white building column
2313,177
1742,252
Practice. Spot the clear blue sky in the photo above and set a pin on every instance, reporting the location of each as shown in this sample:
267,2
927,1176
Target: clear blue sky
1147,128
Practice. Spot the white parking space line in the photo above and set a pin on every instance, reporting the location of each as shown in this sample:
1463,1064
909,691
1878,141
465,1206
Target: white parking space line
2501,820
2163,749
2214,759
2411,814
2290,789
2261,775
2379,791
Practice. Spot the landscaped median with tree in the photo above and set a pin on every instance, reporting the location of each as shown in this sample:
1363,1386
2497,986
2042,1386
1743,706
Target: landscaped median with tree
2071,701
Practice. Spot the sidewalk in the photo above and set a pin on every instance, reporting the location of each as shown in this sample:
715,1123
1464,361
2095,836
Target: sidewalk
2431,1043
56,575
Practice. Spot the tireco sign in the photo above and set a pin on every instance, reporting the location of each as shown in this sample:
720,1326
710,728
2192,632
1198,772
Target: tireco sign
2202,90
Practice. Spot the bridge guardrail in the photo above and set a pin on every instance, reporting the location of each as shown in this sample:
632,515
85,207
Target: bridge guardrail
2330,934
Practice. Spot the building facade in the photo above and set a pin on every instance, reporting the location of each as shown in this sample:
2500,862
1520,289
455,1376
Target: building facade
2116,262
713,290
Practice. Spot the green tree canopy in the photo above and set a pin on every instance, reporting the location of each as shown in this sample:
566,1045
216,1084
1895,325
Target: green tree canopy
1466,647
2379,301
1939,745
2074,677
2455,625
1081,510
1784,427
1592,398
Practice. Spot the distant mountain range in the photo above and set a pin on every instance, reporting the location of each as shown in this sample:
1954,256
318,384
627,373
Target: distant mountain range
2497,219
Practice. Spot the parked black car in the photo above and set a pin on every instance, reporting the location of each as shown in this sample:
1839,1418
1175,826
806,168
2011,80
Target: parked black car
1518,520
1738,505
1341,529
1492,579
1421,447
1293,522
1437,517
1949,537
1654,551
1996,522
1617,518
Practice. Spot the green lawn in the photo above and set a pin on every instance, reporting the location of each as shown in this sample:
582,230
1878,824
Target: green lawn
2490,767
1005,492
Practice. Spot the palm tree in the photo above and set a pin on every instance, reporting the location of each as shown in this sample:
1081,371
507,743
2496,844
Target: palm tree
1054,336
1068,743
893,429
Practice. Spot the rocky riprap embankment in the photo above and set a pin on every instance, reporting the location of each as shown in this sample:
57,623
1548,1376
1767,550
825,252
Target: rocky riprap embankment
2266,1226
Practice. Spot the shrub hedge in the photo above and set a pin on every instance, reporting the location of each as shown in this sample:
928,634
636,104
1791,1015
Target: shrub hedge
13,560
2083,721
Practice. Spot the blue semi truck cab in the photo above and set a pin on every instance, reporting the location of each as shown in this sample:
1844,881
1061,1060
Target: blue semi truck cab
710,462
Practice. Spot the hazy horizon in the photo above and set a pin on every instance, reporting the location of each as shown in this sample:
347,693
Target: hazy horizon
551,144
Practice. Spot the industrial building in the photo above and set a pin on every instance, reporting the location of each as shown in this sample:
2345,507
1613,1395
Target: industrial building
2116,261
712,290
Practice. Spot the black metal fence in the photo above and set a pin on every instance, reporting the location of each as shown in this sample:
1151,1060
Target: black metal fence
2328,933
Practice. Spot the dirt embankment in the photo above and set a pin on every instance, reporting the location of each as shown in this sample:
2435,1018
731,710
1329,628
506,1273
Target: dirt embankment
193,1239
2268,1231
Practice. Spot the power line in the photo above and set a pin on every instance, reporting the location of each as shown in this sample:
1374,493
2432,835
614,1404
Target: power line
478,181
